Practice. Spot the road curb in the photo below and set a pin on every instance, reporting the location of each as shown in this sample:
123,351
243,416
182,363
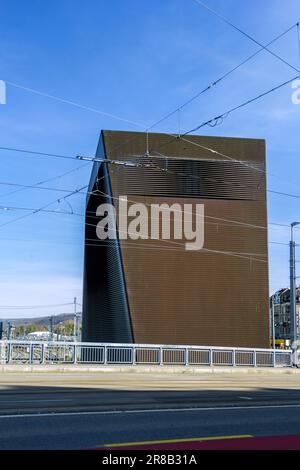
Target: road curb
214,370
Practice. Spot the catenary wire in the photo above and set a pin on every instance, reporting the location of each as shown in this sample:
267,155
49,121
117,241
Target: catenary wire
206,123
214,121
228,222
211,85
46,180
222,18
298,40
23,307
167,157
73,103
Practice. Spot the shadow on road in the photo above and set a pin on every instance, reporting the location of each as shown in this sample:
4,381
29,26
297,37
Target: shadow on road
36,398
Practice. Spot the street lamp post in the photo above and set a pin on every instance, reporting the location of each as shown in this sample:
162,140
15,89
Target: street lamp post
293,322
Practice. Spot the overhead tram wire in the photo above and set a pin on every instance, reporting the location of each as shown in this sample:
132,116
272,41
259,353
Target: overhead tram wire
222,77
262,47
93,159
236,222
98,242
161,246
182,136
234,159
220,220
215,82
219,118
33,152
280,193
75,104
251,38
198,127
250,256
32,186
298,40
34,210
71,193
39,183
132,164
215,120
206,123
42,209
211,85
78,191
29,307
235,254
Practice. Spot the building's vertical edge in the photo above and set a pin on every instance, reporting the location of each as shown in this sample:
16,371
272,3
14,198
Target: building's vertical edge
266,238
126,324
106,316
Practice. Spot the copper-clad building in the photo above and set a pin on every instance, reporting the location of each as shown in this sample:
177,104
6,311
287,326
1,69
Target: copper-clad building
155,291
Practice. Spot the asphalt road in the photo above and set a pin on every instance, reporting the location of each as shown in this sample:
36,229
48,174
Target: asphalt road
82,430
82,411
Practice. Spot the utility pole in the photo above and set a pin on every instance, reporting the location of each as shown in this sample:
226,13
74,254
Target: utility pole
51,328
293,322
75,319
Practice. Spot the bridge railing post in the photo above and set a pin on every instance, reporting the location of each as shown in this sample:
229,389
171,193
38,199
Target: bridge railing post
105,355
186,358
234,357
161,356
211,357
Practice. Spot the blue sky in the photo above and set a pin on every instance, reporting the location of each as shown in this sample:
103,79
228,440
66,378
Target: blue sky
137,59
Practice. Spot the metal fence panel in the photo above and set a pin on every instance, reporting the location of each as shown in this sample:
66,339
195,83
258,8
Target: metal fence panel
244,358
283,359
59,353
90,354
199,357
4,352
173,356
147,356
116,355
222,358
19,353
264,358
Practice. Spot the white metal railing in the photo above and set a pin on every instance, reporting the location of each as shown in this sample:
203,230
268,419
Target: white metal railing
42,352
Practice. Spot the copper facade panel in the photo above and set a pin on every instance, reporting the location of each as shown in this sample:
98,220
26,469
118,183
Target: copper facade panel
219,295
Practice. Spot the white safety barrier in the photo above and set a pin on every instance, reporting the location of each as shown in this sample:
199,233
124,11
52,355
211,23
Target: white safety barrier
55,352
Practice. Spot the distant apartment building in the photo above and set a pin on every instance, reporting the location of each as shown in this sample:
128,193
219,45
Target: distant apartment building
282,320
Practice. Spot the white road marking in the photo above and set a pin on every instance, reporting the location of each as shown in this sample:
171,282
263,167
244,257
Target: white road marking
160,410
34,401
